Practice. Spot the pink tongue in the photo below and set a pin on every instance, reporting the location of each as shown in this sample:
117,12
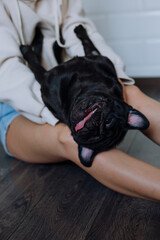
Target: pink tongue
81,124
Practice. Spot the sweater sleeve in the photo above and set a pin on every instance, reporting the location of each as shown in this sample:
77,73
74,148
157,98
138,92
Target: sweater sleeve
18,87
75,16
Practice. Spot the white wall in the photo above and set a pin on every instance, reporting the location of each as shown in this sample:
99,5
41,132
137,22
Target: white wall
132,29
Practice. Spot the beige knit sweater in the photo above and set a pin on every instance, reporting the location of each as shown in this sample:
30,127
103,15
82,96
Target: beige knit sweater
18,20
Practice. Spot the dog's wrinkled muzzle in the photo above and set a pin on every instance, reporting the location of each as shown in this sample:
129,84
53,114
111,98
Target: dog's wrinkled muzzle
89,112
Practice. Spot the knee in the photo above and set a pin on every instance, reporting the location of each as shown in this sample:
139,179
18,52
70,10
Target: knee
64,134
68,145
133,94
132,90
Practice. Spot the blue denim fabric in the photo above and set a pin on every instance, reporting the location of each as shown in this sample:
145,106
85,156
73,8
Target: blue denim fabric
7,114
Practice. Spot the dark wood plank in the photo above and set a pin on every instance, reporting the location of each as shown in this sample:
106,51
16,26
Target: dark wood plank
71,200
148,84
22,186
126,218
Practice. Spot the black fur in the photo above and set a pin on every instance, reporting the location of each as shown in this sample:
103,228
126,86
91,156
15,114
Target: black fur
82,86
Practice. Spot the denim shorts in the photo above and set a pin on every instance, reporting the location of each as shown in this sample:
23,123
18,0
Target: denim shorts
7,114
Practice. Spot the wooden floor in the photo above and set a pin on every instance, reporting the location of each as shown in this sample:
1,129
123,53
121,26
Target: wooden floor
62,202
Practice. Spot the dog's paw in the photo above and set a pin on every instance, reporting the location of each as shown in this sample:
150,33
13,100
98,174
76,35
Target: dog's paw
81,32
24,49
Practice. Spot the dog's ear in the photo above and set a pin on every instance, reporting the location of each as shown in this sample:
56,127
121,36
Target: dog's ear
136,120
86,155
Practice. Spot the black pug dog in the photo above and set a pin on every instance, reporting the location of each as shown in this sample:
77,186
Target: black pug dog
85,94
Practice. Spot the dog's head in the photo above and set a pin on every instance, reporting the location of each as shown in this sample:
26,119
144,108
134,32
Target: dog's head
101,123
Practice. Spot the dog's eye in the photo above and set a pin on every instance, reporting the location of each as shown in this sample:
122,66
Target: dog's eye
109,100
109,122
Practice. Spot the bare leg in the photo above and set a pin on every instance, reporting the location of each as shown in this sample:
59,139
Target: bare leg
117,170
33,142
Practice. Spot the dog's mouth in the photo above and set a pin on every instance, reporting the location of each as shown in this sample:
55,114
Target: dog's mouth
89,112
